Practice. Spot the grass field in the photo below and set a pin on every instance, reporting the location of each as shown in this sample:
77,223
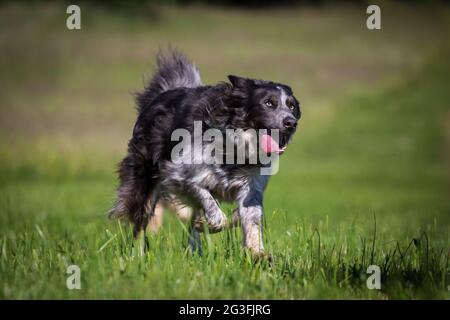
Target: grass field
366,181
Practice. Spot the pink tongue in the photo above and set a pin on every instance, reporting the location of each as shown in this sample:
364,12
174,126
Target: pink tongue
268,144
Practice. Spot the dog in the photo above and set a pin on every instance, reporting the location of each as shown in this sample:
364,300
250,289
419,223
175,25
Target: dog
176,99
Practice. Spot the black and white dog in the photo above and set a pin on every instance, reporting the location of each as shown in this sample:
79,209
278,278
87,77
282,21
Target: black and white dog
176,99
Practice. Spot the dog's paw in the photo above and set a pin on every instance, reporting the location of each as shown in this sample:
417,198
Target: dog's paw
216,221
201,223
261,256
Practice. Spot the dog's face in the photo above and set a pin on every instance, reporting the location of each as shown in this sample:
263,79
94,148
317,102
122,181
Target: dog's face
269,106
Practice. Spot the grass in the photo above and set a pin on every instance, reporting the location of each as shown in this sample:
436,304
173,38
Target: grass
366,180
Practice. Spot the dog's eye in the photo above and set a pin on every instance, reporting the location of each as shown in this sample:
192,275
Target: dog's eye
292,107
268,103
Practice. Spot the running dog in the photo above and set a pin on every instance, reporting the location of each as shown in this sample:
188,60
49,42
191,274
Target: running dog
175,98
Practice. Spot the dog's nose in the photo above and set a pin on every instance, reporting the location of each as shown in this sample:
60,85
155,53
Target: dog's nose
289,123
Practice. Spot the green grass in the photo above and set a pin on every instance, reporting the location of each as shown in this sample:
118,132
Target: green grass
366,180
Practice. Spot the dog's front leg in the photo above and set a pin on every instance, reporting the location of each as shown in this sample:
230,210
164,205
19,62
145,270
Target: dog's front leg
251,216
199,222
251,222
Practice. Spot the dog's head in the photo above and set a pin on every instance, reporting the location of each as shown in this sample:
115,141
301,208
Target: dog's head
271,106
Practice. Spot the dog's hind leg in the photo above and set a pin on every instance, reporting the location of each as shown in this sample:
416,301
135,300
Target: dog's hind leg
183,213
195,242
148,216
156,220
137,193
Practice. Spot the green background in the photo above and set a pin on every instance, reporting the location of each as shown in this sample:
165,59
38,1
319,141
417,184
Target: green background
366,180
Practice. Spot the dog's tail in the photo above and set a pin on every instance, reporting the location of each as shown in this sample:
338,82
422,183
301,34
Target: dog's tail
174,70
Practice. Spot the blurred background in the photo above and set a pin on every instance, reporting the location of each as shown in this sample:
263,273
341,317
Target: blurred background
374,139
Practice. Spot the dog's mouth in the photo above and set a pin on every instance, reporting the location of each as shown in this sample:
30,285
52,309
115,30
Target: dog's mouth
269,145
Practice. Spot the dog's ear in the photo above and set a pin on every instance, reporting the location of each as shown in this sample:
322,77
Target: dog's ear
240,82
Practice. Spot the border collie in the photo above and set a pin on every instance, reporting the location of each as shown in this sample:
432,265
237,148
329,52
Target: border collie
175,98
